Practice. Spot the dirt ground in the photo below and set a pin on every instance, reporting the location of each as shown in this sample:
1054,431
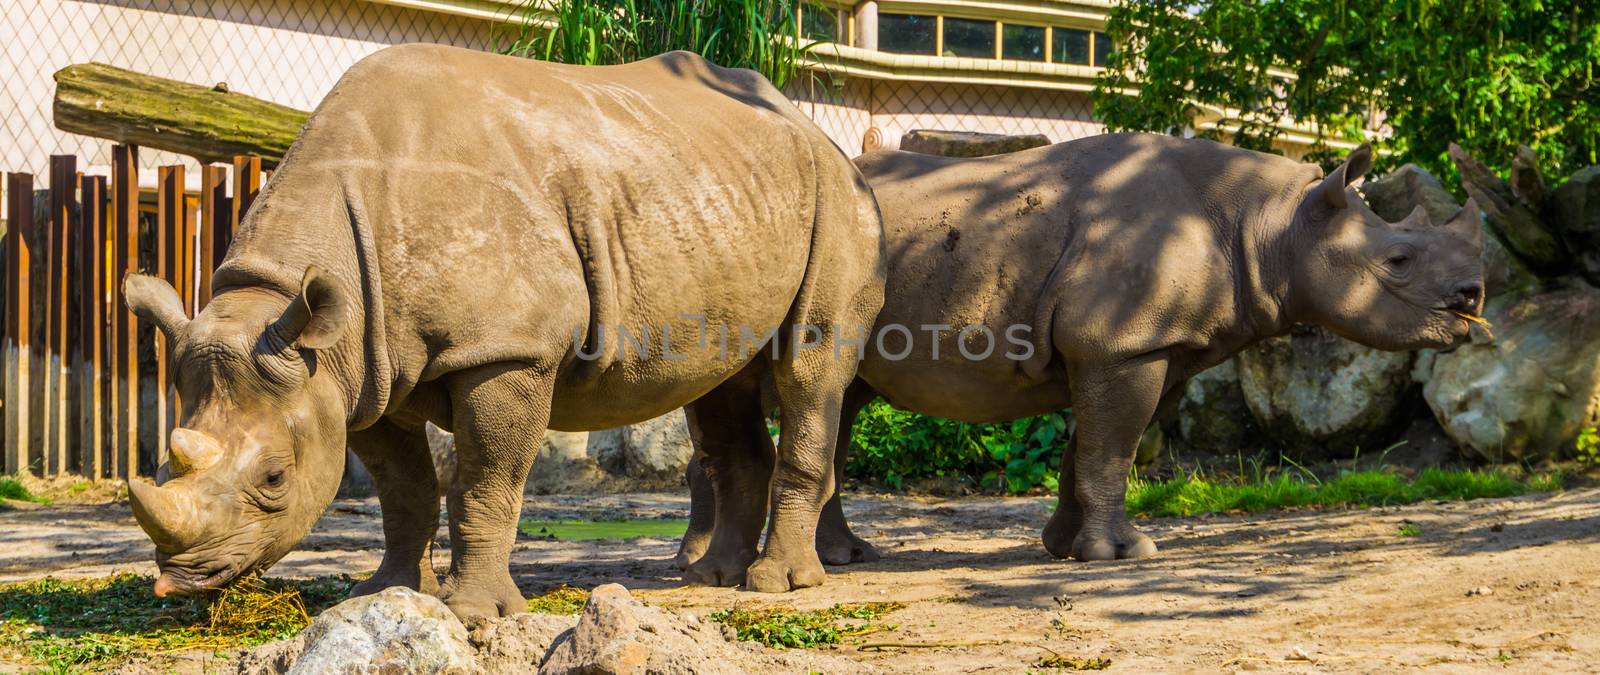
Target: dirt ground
1486,585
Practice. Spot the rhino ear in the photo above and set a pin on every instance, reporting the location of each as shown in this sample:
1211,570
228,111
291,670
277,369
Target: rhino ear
1467,223
317,316
1355,165
156,301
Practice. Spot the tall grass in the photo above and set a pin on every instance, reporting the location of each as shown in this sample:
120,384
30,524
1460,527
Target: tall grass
1189,494
762,35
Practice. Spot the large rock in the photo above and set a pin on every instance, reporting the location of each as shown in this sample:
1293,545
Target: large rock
1575,209
967,143
517,643
1320,396
651,455
393,631
1212,416
1525,395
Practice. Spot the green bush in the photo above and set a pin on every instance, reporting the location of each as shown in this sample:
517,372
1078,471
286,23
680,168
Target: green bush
889,446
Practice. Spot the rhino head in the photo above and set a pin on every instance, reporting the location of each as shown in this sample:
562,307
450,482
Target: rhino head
259,448
1393,286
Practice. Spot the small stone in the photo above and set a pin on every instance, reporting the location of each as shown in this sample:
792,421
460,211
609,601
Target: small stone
1481,590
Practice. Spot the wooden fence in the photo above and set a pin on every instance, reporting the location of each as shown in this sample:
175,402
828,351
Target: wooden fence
87,390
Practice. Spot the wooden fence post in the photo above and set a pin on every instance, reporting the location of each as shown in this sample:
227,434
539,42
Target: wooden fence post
18,323
125,353
63,193
246,185
216,217
93,237
173,222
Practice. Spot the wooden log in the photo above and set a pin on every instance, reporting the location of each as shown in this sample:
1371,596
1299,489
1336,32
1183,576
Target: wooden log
169,228
208,123
18,321
91,332
1527,182
57,384
1514,221
125,340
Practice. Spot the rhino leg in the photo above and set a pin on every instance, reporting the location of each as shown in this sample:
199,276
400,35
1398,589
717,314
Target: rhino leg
836,544
735,452
402,470
702,514
499,413
1112,407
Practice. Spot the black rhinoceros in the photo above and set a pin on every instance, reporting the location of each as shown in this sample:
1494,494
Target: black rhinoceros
1107,271
488,243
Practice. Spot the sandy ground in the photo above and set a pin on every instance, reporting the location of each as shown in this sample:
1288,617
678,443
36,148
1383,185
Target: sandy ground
1309,591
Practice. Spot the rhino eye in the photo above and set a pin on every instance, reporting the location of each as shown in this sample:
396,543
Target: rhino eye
274,478
1398,261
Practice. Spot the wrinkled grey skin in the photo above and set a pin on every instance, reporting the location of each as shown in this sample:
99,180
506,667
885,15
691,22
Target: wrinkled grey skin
445,225
1138,261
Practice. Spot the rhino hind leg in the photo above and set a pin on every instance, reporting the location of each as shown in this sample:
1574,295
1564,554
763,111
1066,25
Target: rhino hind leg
1112,407
734,452
402,471
702,513
836,544
499,413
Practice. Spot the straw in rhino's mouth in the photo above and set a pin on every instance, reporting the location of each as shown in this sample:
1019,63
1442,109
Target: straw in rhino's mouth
1480,321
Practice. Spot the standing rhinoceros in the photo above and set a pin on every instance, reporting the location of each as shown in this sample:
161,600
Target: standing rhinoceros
501,246
1106,272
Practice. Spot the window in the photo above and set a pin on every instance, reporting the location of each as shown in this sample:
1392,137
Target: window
1070,45
1022,43
1102,48
819,23
907,34
969,37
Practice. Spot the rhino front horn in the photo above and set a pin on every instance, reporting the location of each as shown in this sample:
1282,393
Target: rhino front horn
163,514
192,451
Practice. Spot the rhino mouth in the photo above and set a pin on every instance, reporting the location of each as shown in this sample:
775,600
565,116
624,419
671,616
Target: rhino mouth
181,580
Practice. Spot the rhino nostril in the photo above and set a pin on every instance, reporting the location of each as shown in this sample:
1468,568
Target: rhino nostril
1467,296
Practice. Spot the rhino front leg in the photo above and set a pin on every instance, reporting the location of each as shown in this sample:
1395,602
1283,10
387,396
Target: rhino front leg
702,513
735,453
401,464
499,413
836,544
1112,407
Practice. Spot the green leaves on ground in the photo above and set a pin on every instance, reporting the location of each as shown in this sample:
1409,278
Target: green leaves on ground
65,624
1195,493
562,599
786,628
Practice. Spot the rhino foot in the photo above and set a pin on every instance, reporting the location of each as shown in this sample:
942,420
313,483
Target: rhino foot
692,549
1119,542
482,597
417,580
845,548
718,569
775,574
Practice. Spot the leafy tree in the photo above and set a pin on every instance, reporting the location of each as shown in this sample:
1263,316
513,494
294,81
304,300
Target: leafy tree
754,34
1488,74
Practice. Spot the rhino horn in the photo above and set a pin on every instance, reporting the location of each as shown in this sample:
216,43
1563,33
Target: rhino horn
193,451
163,513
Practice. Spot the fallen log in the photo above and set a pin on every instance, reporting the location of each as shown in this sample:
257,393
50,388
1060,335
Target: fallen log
1509,216
208,123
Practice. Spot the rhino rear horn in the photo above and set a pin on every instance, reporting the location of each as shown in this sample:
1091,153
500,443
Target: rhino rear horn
156,301
165,514
317,316
1468,222
1355,165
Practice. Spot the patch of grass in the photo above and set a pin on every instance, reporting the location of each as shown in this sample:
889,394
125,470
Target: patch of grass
76,624
1409,530
563,599
11,488
1195,493
786,628
1059,662
591,530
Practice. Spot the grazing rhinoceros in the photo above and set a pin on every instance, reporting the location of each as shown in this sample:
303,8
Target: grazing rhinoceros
1108,271
488,243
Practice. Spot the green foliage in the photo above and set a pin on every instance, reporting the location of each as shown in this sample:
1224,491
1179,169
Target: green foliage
1588,446
761,35
11,488
562,599
591,530
1060,662
785,628
66,624
1488,75
1409,530
892,445
1194,493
